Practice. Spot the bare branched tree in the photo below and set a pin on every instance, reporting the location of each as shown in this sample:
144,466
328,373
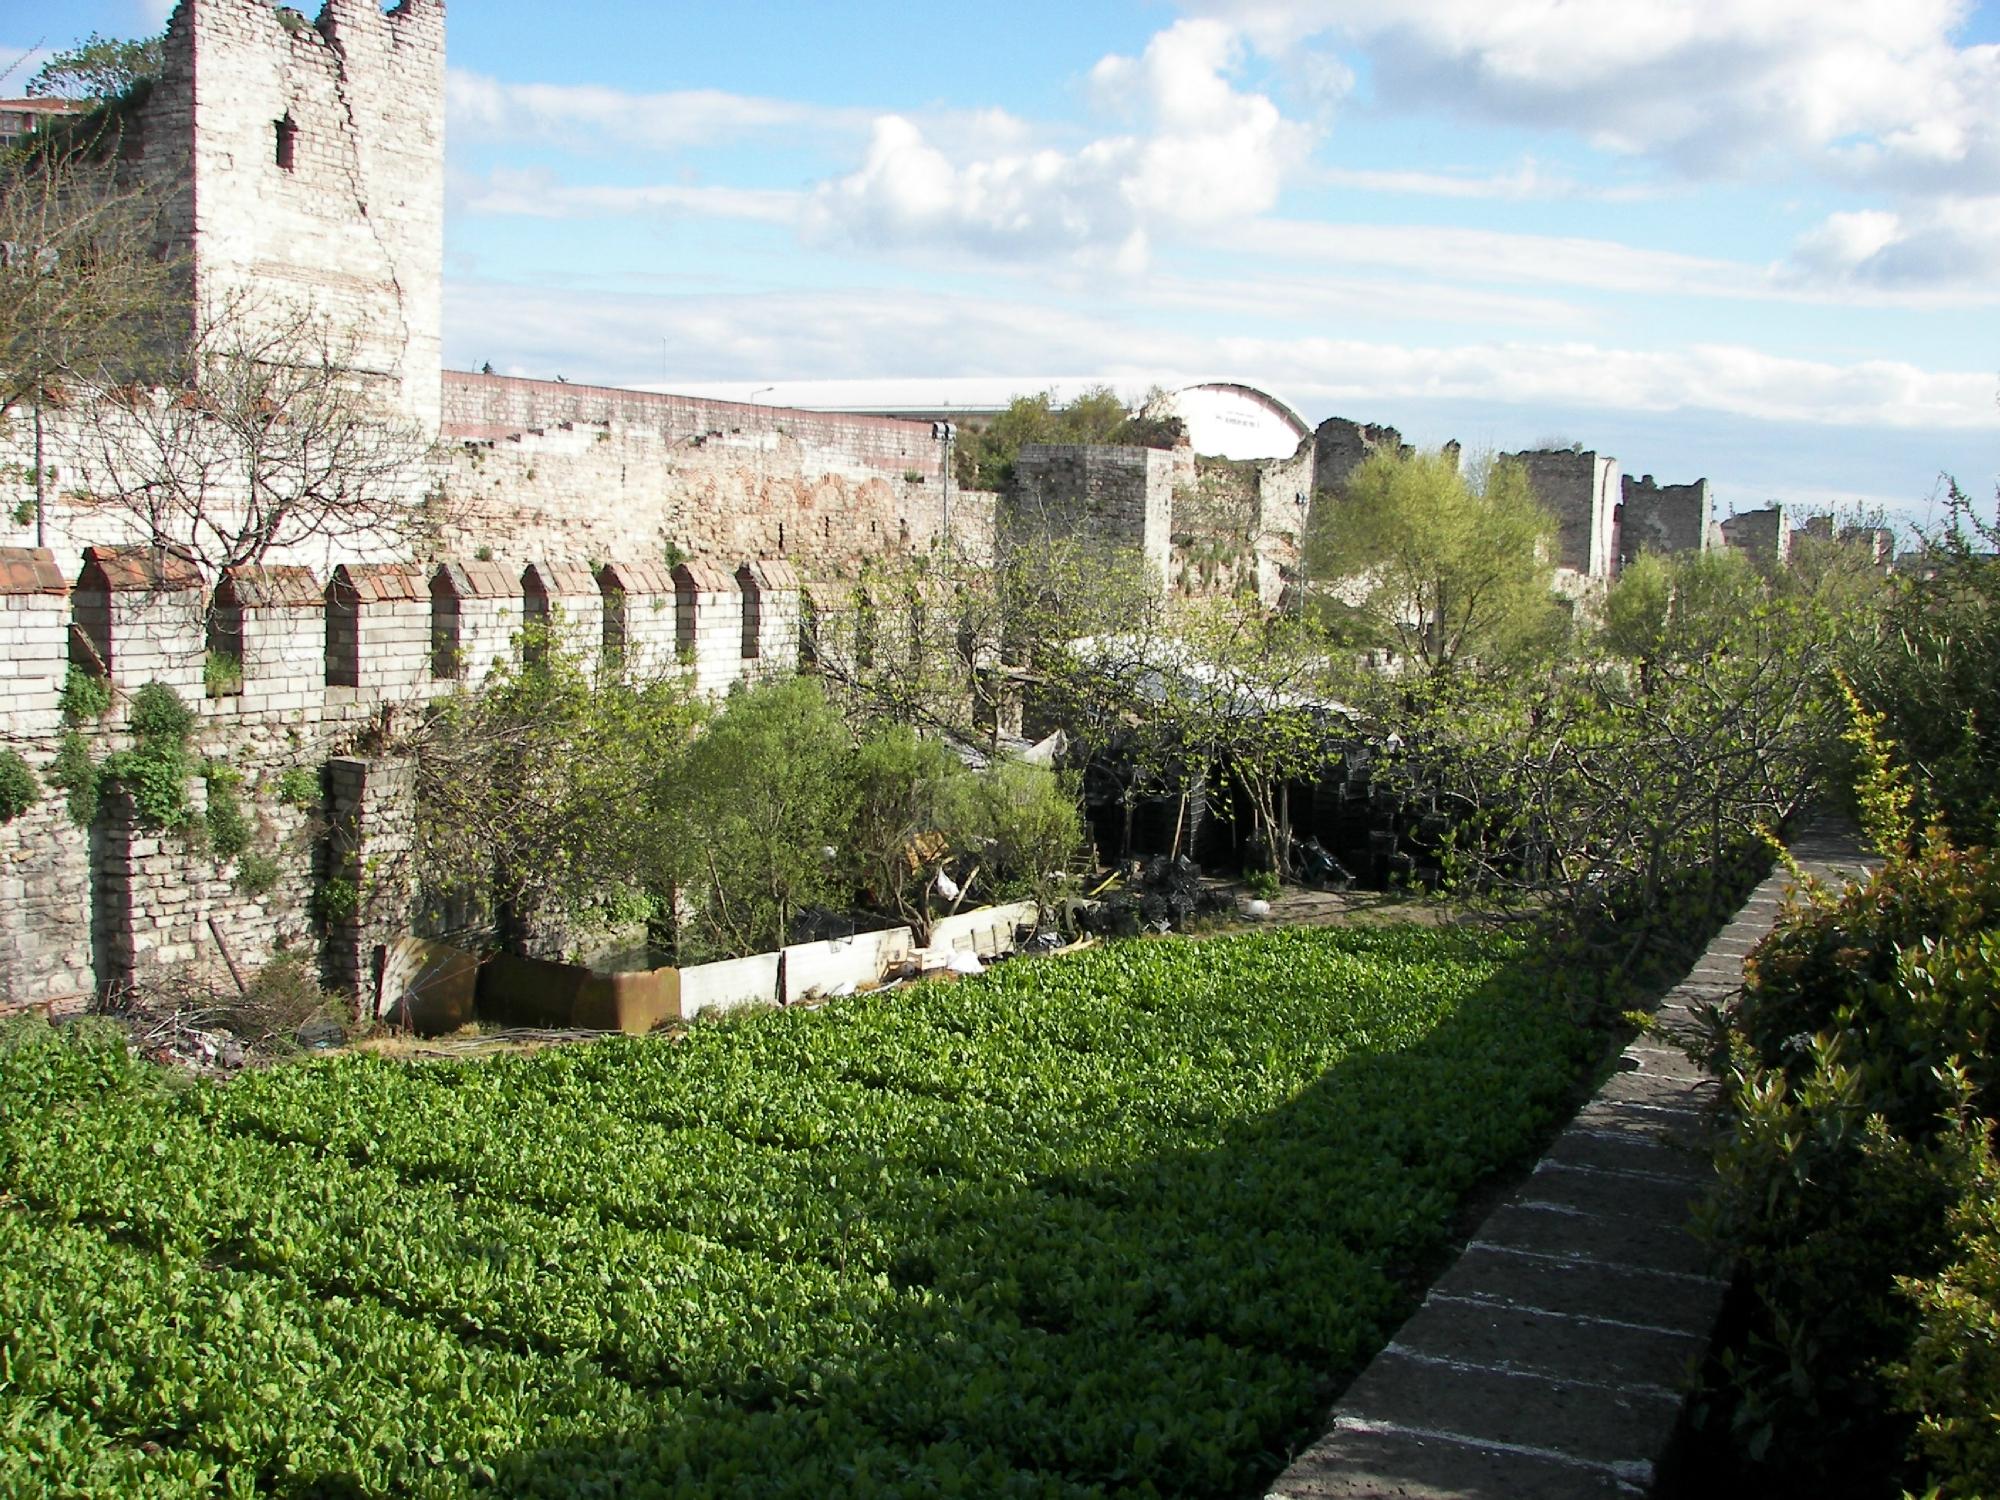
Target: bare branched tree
84,288
267,434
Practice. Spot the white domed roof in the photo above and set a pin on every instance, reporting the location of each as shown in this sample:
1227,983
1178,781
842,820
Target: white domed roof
1226,420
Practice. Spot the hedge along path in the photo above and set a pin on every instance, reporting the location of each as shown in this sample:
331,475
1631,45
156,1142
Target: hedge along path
1554,1358
1117,1224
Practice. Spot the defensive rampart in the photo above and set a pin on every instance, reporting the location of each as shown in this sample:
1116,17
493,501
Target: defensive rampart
296,688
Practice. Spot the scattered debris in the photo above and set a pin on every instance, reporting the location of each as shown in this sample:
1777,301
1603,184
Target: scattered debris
196,1018
1317,867
1156,895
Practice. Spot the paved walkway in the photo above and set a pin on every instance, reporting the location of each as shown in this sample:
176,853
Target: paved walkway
1552,1360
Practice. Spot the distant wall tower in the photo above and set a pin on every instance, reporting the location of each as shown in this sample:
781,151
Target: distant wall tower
1583,489
302,164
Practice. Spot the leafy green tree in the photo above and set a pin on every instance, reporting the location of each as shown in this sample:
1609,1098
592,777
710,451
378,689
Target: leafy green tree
1930,671
1441,568
1597,797
762,795
986,455
1031,826
1672,613
912,808
99,69
535,794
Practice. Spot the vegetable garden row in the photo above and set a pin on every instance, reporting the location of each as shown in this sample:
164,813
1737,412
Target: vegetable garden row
1115,1224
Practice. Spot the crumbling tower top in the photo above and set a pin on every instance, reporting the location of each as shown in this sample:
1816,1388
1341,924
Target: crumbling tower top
301,165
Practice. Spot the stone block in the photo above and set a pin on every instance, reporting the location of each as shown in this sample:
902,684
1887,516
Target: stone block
1536,1342
1622,1434
1633,1243
1354,1462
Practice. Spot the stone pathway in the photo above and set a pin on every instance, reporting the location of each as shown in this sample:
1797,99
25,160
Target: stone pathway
1551,1361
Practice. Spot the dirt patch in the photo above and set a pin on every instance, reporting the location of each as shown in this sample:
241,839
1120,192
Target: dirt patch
1302,906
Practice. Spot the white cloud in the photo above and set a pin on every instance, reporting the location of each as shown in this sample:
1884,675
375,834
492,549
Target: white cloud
1489,255
825,335
485,110
536,193
153,13
481,110
1198,152
1953,243
1298,300
1580,263
1875,89
1526,182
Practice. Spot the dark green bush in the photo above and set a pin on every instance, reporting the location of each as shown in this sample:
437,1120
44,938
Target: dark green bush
1901,973
1950,1380
19,790
1857,1167
158,713
155,776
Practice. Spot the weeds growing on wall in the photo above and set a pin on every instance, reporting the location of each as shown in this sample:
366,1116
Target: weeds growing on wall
257,873
85,698
19,789
222,674
229,827
155,772
298,787
335,901
74,772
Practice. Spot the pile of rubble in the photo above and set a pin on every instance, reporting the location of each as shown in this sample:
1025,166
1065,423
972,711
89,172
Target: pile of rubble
1156,895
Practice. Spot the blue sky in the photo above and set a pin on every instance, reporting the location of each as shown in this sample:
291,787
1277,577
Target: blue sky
1756,240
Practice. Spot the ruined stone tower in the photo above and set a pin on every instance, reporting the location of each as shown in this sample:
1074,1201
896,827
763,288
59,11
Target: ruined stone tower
302,165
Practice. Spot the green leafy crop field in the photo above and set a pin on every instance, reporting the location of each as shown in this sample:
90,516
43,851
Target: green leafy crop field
1112,1224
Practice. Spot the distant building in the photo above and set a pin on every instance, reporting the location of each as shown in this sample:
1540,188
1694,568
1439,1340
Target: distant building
22,118
1226,420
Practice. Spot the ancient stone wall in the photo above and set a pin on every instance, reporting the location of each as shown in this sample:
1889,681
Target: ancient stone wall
1216,523
321,674
1879,542
1583,490
536,467
1765,535
1285,488
1120,499
1339,446
34,640
1663,518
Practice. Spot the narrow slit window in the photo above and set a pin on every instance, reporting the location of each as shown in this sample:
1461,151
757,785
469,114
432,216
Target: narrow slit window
287,132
